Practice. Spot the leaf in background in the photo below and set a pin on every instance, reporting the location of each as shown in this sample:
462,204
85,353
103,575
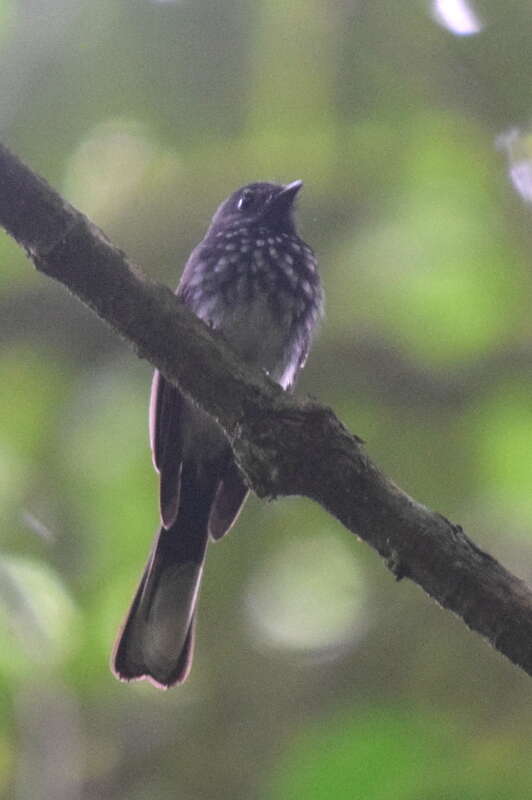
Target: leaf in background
438,274
37,616
387,755
502,436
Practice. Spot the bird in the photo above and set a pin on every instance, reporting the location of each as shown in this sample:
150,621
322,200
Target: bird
253,279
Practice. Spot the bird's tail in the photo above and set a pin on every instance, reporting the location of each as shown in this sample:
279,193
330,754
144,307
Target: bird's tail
157,639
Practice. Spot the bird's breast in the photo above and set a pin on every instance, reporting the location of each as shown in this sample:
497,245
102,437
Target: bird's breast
260,291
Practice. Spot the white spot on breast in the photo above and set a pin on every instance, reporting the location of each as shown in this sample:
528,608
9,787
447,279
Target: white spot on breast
230,246
196,279
295,247
273,252
220,264
207,308
260,242
288,258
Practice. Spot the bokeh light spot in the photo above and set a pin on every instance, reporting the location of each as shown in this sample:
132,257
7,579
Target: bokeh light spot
457,16
309,595
518,148
108,165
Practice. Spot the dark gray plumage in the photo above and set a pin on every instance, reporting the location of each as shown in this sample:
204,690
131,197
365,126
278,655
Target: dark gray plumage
255,280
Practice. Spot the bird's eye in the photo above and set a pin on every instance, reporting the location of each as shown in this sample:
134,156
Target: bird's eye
245,200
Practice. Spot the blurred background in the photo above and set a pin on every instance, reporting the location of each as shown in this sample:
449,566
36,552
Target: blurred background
316,675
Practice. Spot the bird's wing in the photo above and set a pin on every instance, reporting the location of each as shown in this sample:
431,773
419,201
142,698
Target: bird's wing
166,438
228,500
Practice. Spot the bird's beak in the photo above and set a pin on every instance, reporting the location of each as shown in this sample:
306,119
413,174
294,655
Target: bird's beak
285,198
290,191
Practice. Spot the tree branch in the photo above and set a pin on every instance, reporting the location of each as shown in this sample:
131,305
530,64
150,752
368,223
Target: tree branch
283,446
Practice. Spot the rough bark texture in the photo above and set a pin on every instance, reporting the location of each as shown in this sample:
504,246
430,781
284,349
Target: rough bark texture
283,446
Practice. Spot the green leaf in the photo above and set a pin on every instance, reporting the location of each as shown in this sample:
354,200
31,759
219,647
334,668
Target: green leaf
37,616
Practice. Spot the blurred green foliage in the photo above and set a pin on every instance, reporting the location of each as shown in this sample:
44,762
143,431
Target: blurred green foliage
391,755
316,675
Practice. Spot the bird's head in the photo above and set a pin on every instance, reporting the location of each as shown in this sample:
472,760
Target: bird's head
263,204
